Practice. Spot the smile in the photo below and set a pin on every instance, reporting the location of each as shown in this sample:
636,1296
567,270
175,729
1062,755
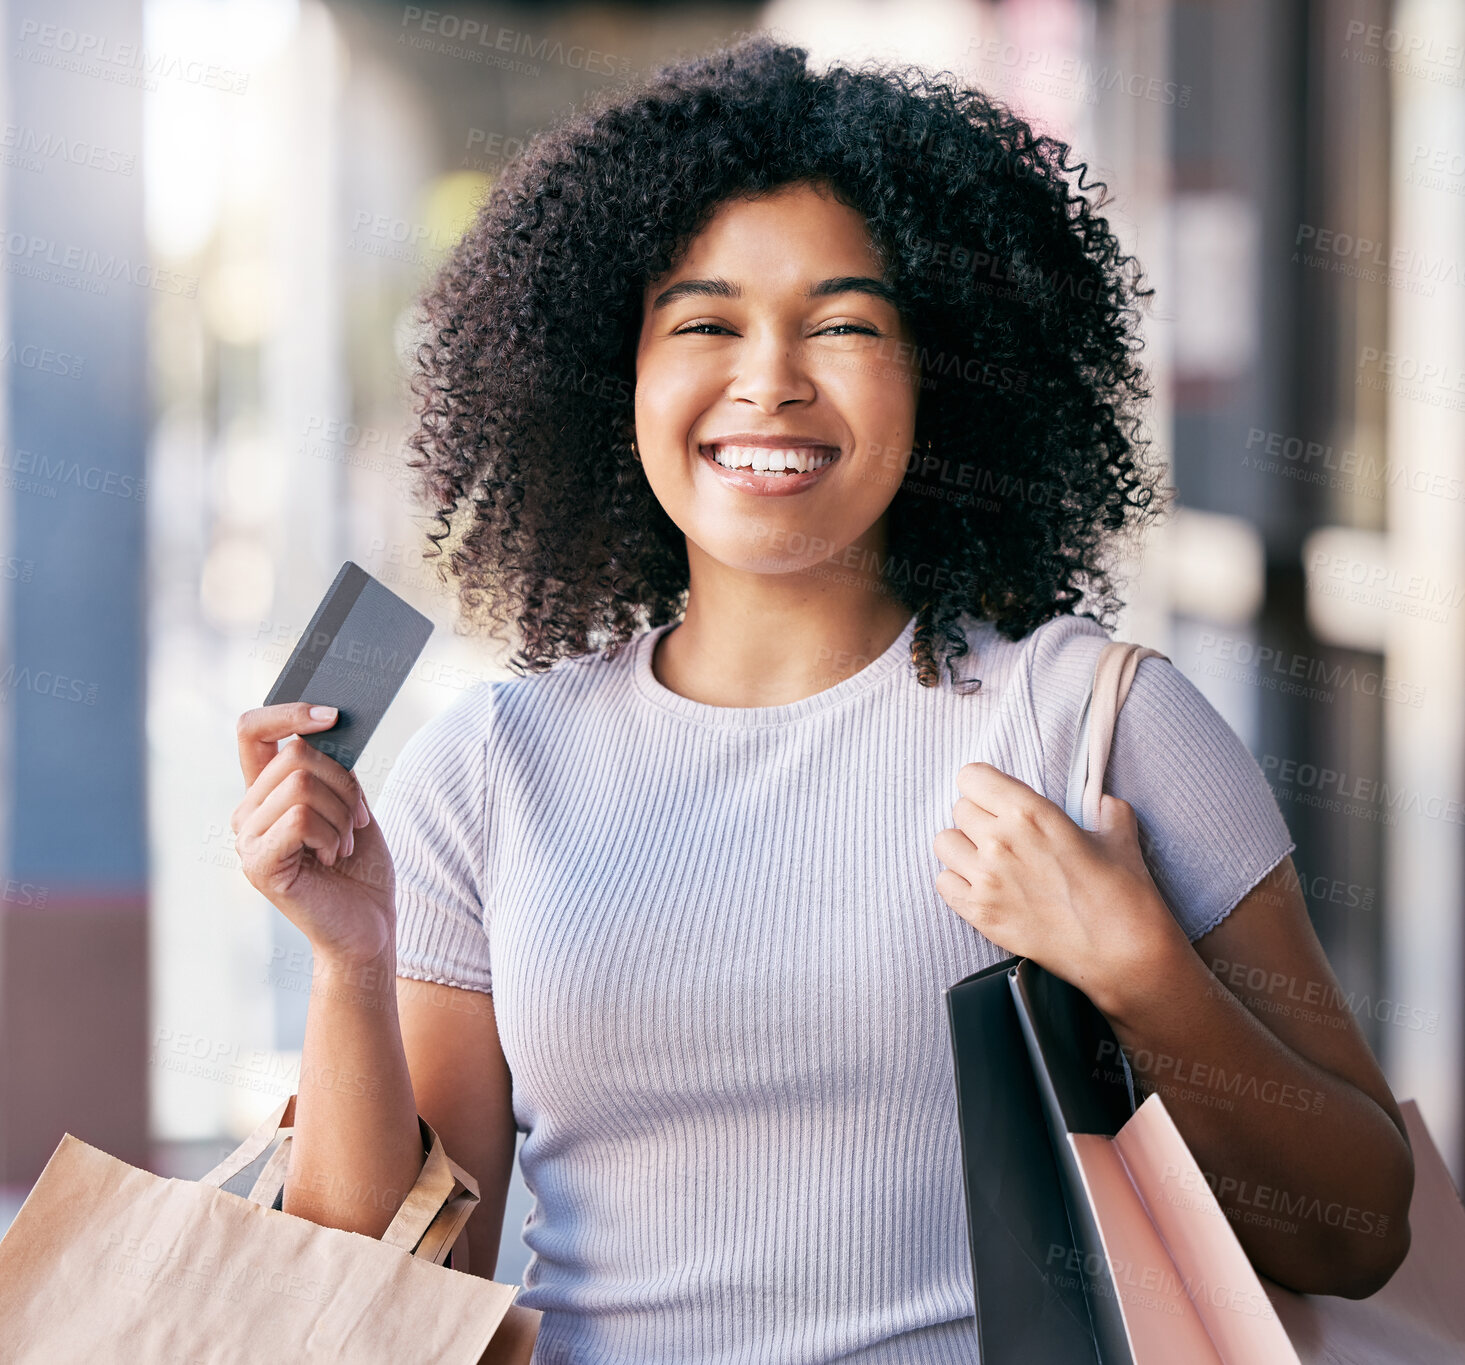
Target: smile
770,470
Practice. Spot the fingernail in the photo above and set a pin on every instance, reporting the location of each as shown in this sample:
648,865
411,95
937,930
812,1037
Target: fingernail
350,842
363,816
322,712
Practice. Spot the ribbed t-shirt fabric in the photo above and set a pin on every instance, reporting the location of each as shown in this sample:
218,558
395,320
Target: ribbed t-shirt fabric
717,958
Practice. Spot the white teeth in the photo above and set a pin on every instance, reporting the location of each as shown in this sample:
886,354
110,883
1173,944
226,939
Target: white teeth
763,460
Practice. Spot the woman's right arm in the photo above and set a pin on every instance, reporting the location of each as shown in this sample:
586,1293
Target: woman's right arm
356,1149
370,1062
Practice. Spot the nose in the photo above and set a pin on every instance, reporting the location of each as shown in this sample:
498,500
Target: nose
770,371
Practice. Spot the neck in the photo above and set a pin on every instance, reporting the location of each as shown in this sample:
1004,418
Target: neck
751,639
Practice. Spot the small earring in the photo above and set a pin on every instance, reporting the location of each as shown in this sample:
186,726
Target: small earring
634,451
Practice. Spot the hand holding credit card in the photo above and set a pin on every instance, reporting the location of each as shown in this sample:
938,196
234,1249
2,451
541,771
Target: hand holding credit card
303,831
354,655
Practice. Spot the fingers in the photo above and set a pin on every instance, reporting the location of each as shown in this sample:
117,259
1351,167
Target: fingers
297,754
267,847
972,862
985,786
954,889
954,849
260,730
973,820
301,786
1000,794
977,903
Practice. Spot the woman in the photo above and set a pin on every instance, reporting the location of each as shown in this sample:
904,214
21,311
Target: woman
828,380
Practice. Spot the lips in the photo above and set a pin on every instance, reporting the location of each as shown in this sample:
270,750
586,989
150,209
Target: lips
736,466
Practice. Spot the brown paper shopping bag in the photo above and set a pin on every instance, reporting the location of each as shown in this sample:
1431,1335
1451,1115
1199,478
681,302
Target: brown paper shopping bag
108,1262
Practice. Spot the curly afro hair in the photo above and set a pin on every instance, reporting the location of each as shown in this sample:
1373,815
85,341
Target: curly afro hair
1028,468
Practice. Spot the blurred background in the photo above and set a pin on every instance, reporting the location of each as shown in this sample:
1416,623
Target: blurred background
215,219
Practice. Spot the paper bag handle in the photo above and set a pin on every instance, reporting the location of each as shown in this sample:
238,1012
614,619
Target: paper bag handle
249,1150
429,1219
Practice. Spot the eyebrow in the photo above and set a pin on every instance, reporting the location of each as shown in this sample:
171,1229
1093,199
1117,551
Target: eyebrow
717,287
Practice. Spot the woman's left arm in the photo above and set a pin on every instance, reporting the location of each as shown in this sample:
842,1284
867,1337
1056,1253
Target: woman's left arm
1245,1033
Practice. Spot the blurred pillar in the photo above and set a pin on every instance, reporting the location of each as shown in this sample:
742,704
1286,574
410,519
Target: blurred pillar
73,904
1131,133
1340,303
1423,377
303,381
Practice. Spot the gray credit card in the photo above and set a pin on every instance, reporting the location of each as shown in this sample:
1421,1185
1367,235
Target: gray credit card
354,655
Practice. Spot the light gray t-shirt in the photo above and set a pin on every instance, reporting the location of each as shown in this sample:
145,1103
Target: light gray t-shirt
717,958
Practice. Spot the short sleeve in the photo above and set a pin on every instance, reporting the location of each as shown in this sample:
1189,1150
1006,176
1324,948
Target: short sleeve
1209,826
433,811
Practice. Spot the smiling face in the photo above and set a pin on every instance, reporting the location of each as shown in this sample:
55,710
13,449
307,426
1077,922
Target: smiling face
776,385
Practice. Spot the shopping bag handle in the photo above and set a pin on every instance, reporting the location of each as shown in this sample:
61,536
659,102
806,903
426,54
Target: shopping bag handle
429,1219
249,1150
1113,673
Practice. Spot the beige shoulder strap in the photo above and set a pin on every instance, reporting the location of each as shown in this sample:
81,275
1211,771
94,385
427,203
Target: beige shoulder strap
1114,672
